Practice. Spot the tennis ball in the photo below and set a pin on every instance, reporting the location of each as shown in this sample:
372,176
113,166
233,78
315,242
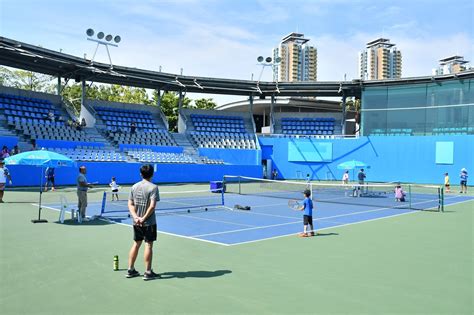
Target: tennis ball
189,211
205,209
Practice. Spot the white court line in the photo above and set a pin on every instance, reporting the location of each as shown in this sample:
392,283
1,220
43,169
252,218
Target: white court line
342,225
212,220
252,228
128,225
280,236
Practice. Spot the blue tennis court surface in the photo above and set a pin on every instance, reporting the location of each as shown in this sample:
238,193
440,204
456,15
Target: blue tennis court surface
268,217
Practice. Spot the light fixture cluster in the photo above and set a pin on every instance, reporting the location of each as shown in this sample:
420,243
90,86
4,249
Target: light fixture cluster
101,35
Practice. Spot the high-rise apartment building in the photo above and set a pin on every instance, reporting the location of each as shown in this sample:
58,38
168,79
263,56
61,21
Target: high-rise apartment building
299,60
380,60
453,64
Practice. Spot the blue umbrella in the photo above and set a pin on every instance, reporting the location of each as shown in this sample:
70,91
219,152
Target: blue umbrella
43,159
351,165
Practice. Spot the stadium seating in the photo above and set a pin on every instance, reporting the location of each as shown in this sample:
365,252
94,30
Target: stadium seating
117,119
307,126
149,156
159,137
91,154
38,119
218,131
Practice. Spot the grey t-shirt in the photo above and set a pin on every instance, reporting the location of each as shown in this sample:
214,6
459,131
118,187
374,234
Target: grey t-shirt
141,195
81,178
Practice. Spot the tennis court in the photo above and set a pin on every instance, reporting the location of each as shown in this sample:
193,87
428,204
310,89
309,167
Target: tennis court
211,216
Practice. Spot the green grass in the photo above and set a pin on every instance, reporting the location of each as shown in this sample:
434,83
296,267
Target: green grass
410,264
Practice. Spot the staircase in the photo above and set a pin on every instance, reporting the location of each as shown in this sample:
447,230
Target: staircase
182,140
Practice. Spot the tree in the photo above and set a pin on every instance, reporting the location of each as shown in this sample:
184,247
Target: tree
205,103
170,107
26,80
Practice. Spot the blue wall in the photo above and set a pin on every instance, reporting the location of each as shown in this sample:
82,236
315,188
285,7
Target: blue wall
234,156
128,173
10,142
405,159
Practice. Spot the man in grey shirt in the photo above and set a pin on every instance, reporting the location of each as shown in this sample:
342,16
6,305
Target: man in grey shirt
82,186
141,204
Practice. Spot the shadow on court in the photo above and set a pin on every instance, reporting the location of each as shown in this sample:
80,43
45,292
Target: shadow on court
194,274
326,234
71,222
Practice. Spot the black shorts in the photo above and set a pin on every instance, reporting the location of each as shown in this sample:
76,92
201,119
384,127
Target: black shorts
114,190
147,233
464,183
50,179
307,219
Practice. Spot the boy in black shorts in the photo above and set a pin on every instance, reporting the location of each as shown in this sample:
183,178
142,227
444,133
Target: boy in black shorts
141,204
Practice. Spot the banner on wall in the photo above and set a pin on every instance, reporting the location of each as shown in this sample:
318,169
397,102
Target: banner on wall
309,151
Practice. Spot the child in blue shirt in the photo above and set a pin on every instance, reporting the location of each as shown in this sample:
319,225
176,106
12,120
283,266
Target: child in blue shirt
463,176
307,207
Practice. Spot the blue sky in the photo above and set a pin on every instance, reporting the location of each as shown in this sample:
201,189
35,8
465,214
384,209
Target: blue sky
222,38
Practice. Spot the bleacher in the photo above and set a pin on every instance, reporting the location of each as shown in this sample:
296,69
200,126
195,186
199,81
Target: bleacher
158,137
38,119
119,120
160,157
308,126
220,131
91,154
118,127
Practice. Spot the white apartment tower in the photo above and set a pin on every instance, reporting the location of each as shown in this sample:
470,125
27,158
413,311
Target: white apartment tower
449,65
298,59
380,60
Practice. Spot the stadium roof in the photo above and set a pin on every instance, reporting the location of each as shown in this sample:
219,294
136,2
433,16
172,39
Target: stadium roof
38,59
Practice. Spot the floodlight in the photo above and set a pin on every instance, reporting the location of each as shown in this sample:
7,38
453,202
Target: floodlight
108,38
90,32
100,35
277,59
260,58
117,39
268,59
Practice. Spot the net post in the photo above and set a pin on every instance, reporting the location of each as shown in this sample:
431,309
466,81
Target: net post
222,195
239,185
409,196
104,199
441,199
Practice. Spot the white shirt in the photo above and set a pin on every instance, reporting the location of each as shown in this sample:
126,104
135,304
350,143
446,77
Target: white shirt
345,177
3,175
114,185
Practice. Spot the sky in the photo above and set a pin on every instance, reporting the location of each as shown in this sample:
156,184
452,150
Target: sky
223,38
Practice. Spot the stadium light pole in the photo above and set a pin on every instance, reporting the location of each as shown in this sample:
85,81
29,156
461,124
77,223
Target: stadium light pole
102,39
267,62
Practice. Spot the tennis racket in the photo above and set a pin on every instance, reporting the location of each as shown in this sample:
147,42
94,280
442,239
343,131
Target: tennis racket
294,204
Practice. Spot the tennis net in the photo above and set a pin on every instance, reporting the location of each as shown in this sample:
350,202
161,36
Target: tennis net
170,202
416,197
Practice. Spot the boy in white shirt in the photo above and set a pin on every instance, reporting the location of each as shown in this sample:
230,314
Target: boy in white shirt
115,189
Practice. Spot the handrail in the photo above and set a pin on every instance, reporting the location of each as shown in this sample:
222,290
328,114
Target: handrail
70,108
164,118
281,135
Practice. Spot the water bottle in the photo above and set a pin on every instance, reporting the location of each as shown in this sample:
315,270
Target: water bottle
116,263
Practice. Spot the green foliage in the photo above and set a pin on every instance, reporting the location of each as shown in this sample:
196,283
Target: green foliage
205,103
26,80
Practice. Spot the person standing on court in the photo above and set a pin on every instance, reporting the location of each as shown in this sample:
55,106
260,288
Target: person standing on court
49,174
345,178
82,187
4,176
141,204
361,177
463,183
